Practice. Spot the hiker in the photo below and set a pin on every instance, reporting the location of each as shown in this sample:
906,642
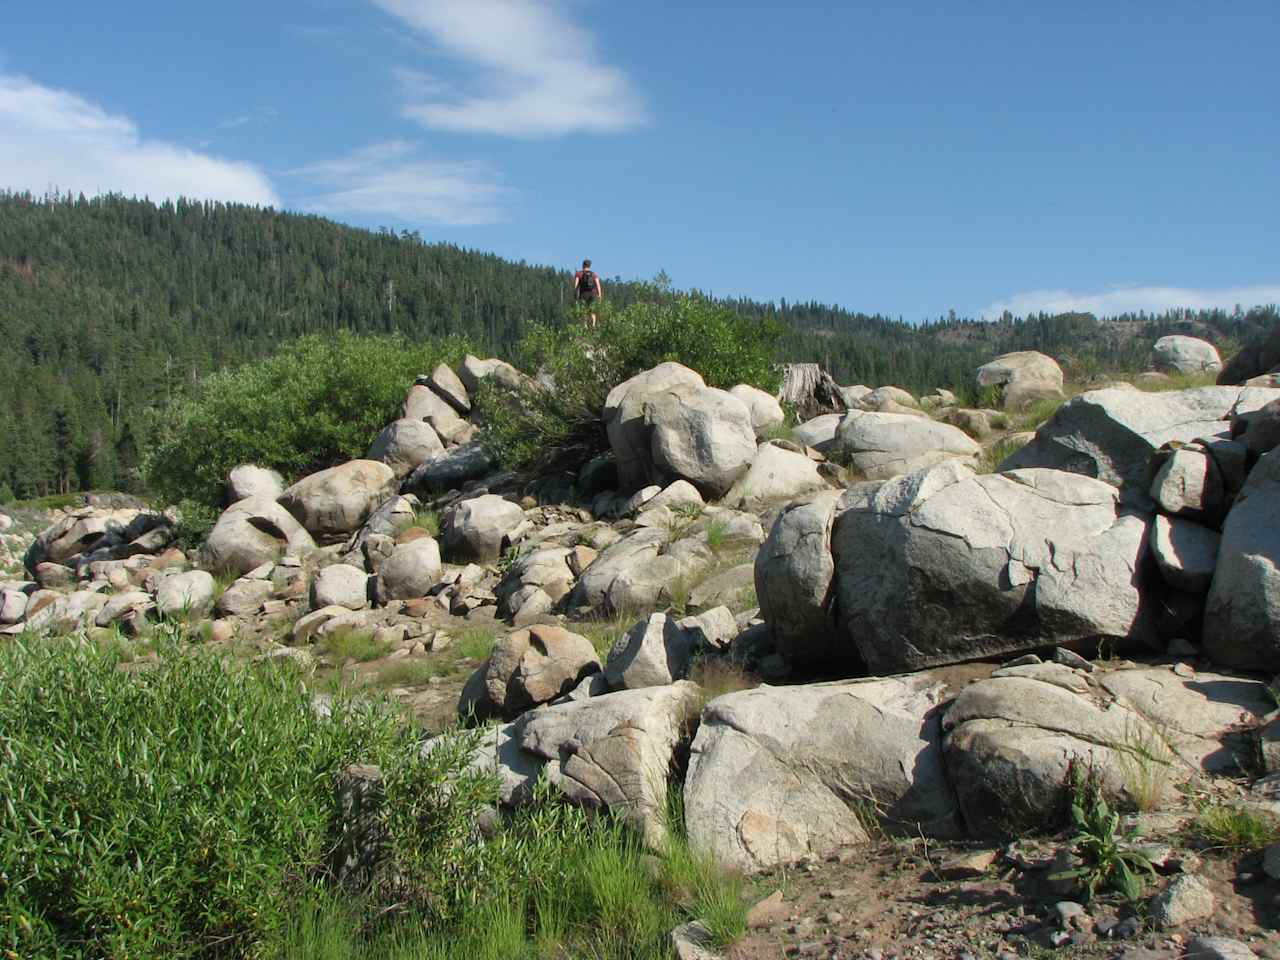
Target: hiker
587,289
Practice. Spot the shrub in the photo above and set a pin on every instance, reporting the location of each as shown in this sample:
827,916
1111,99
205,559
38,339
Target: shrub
184,810
545,428
318,401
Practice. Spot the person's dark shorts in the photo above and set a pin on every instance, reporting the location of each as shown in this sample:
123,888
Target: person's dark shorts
586,298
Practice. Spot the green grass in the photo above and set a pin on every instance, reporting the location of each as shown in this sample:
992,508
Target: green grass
414,673
1235,828
716,531
428,520
1178,381
186,812
357,644
475,643
603,634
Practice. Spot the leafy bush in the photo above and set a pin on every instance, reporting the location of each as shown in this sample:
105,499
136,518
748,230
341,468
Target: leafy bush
542,428
182,811
318,401
1110,862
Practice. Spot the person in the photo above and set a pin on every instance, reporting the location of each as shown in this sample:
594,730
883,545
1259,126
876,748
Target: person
587,289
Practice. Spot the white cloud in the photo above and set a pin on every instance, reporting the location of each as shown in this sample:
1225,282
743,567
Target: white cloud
539,71
393,180
1133,299
52,138
256,115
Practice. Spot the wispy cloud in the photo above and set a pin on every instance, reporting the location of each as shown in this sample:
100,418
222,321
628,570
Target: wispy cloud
394,180
1133,299
539,72
256,115
57,139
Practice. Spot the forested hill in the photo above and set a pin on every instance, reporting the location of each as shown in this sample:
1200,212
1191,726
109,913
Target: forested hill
110,307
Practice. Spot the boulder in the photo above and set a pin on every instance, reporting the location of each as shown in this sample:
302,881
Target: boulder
882,397
475,371
764,409
1177,354
188,595
95,533
851,395
793,579
734,588
13,606
547,571
1259,430
1243,606
244,598
528,668
653,653
703,436
423,403
780,774
1024,377
333,503
775,475
404,445
411,570
392,518
1186,553
638,572
1198,715
467,461
253,532
340,585
610,751
61,613
124,606
681,493
624,417
478,530
1188,483
1012,743
249,480
883,445
975,423
820,432
942,566
450,387
1112,434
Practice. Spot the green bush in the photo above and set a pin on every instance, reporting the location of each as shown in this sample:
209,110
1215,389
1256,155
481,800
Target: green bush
541,428
317,402
184,811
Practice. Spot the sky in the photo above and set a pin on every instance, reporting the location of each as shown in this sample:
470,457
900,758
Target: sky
904,158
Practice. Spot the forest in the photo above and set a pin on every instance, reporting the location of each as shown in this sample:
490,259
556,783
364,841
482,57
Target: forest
111,308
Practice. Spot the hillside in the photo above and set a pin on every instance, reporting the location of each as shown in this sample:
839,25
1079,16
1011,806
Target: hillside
110,307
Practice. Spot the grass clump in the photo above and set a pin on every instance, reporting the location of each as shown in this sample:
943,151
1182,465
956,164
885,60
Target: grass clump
428,520
718,675
1235,828
1176,381
476,643
354,643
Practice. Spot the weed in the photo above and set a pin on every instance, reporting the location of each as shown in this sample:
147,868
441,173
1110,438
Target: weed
604,634
1038,411
428,520
1148,762
716,531
508,559
1108,861
997,453
720,675
1235,828
411,673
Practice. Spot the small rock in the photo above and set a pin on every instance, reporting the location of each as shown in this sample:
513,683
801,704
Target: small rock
692,941
772,909
969,866
1127,929
1070,914
832,918
1187,898
1069,658
1026,660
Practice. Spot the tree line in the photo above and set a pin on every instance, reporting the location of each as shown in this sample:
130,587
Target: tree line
112,308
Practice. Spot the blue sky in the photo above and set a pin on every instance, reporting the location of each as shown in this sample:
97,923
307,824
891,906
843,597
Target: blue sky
907,158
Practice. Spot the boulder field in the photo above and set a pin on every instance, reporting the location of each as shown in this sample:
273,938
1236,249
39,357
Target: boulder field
938,641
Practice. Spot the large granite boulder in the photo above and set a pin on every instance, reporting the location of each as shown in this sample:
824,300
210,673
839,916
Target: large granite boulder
340,585
793,578
528,668
92,533
249,480
423,403
766,412
780,774
942,566
406,444
333,503
1023,378
546,572
467,461
253,532
1185,552
474,371
189,594
479,529
703,436
1243,607
626,425
450,387
1112,434
775,475
1013,741
883,445
820,432
1178,354
653,653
